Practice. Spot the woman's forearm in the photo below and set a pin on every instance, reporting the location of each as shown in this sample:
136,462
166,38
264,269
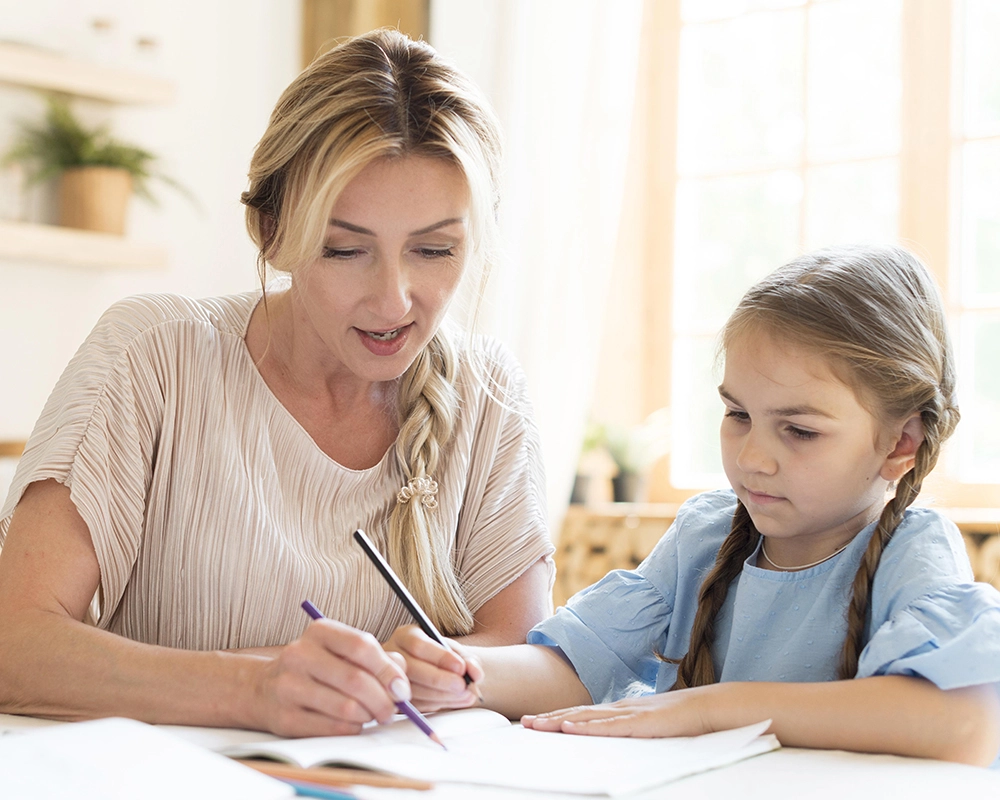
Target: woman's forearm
887,714
54,666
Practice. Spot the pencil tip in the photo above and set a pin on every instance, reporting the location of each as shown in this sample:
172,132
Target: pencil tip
435,738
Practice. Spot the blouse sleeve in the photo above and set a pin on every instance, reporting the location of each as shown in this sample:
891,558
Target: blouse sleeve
503,529
951,637
96,436
610,633
928,617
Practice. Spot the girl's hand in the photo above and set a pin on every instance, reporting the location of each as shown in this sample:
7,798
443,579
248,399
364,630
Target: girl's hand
680,713
330,682
436,673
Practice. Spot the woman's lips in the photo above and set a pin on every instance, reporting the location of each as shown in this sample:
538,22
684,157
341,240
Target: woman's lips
385,343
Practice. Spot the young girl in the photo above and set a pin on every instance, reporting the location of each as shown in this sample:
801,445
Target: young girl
812,594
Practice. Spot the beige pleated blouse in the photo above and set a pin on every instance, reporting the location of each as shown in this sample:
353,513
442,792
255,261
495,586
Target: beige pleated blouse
214,514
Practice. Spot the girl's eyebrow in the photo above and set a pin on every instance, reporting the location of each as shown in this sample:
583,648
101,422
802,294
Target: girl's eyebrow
347,226
788,411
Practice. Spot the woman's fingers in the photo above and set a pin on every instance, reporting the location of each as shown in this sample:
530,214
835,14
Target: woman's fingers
332,680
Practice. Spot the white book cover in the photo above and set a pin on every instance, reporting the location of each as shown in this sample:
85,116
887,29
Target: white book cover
121,759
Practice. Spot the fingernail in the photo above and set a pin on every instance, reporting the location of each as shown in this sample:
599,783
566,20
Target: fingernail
400,690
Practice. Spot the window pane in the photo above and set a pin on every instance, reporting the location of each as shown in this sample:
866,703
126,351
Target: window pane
729,233
852,202
855,80
982,67
702,10
696,414
740,103
980,246
979,435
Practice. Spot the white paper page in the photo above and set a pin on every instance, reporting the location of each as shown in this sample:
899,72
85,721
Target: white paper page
121,759
588,765
374,747
515,757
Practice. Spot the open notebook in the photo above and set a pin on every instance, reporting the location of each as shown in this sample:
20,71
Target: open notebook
485,748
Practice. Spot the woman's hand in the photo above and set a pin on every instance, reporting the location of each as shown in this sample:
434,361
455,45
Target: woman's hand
436,673
329,682
680,713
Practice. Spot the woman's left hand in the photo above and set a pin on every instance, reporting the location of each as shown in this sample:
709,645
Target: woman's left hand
680,713
436,673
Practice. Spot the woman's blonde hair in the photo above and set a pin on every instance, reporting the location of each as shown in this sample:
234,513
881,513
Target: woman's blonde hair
377,96
875,316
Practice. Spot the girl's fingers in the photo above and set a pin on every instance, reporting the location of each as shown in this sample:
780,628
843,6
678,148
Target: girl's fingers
622,725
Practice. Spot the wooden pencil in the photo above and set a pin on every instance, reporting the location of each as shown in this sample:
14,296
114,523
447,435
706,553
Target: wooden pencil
335,776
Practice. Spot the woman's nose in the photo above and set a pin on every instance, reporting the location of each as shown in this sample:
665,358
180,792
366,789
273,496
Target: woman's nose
754,455
391,292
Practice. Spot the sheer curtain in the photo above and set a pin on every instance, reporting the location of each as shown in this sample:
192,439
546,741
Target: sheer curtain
561,75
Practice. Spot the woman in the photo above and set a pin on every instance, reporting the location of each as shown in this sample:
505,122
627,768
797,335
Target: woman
201,465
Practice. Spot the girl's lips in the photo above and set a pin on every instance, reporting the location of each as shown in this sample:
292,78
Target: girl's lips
385,347
762,499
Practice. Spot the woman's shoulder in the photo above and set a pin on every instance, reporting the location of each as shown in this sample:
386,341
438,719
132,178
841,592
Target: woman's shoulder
143,312
489,370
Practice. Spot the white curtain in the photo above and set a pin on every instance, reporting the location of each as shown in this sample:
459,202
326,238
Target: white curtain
561,75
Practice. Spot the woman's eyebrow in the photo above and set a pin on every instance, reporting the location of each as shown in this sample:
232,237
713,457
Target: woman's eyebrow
348,226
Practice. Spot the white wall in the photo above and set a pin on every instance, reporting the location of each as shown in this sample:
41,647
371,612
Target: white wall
229,60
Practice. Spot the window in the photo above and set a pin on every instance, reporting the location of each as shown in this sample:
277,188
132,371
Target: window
805,123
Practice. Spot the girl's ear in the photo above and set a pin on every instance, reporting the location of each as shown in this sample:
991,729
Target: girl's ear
904,454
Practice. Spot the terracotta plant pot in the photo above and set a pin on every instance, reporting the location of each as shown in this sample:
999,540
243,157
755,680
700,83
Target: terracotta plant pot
95,198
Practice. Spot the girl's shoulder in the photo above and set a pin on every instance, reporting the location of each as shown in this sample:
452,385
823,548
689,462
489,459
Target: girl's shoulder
701,525
928,546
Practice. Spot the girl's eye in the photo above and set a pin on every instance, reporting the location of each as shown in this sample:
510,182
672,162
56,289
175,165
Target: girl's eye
739,416
800,433
342,253
436,252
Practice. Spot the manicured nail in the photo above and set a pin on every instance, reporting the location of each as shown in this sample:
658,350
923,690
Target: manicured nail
400,690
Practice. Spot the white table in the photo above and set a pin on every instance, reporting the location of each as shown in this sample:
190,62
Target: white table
785,773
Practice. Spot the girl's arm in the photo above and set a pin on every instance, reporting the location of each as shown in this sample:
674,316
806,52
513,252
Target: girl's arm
52,664
887,714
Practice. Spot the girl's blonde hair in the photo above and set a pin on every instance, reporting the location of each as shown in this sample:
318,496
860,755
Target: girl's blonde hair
875,316
377,96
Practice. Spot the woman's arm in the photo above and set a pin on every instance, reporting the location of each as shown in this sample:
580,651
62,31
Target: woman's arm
52,664
886,714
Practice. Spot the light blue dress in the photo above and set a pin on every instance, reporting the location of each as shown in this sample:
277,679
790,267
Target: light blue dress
927,615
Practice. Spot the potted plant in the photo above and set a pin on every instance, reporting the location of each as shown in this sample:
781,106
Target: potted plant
97,173
635,449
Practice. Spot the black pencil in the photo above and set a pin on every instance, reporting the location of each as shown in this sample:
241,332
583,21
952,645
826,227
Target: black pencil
404,595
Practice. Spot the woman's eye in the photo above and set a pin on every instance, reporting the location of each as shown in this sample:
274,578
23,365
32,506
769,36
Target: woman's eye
739,416
436,252
800,433
341,252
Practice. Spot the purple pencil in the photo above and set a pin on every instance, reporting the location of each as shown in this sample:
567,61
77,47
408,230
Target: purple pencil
404,707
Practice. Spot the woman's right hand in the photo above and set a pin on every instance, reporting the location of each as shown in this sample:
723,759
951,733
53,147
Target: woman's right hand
436,672
330,682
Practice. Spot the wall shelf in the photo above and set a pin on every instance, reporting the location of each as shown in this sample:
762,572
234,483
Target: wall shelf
67,246
24,65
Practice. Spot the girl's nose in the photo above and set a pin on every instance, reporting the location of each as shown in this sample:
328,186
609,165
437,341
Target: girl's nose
754,455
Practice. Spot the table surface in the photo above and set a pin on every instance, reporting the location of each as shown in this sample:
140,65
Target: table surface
788,772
